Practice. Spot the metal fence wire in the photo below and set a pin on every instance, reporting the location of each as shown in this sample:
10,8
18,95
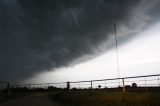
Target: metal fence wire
124,84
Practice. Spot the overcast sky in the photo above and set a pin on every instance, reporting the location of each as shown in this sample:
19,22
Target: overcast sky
61,40
140,56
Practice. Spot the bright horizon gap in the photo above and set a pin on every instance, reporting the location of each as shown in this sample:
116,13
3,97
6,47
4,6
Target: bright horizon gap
133,59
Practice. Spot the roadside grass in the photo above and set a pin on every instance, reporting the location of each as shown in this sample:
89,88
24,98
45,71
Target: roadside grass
3,96
103,98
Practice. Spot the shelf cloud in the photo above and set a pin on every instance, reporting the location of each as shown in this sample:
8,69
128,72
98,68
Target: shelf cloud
38,35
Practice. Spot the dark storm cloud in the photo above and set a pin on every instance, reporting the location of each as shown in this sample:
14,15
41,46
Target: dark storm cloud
38,35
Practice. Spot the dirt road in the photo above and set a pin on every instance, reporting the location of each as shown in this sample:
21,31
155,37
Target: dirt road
30,101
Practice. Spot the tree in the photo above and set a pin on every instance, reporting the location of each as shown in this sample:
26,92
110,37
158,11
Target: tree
134,85
99,86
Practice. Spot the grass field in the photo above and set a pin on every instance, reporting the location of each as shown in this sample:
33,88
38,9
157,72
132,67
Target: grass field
3,96
103,98
95,97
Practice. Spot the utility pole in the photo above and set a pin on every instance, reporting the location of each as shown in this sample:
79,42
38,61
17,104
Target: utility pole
115,33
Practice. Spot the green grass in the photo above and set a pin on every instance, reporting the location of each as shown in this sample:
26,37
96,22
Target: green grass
103,98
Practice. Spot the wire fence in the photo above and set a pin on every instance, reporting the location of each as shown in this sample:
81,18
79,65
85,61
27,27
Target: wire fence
147,83
136,81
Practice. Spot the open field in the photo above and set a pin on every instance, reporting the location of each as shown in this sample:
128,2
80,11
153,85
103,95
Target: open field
103,98
3,96
142,91
36,100
90,97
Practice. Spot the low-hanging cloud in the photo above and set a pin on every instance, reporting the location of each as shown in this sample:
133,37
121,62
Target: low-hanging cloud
38,35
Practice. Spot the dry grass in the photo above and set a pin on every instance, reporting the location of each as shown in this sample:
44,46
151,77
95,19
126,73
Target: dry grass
2,96
102,98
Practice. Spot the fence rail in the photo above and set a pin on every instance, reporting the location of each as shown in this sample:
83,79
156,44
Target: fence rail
124,83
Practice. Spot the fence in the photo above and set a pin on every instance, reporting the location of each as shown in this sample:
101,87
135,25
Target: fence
148,81
145,83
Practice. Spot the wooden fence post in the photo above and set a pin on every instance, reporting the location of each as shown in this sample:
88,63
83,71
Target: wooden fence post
158,82
91,85
146,86
68,86
124,90
29,87
48,85
8,89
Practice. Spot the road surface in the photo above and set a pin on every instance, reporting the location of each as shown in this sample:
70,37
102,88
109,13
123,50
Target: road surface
30,101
